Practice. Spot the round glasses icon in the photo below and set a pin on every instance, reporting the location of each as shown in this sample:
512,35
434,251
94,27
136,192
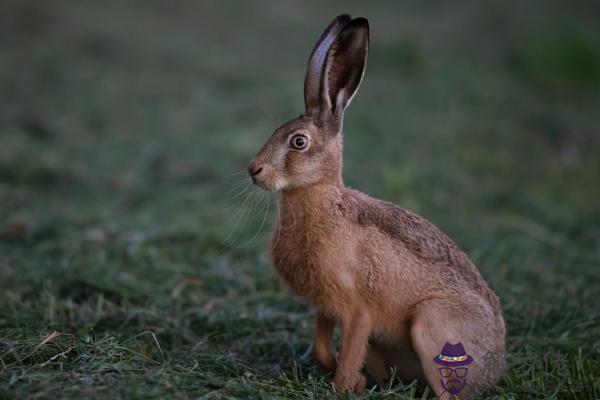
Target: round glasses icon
459,372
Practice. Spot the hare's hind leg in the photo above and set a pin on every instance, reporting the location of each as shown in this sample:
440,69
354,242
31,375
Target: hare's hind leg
377,364
383,359
470,323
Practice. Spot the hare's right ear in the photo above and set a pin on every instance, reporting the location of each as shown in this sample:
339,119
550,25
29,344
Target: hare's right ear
344,68
316,61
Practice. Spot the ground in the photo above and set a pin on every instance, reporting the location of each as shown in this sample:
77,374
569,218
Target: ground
132,267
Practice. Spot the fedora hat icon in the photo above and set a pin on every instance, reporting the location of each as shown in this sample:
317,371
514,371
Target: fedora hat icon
453,355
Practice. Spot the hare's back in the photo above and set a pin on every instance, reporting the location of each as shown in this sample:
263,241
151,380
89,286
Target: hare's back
423,239
417,236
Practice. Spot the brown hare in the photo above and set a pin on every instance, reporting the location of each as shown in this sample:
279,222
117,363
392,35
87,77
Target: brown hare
406,297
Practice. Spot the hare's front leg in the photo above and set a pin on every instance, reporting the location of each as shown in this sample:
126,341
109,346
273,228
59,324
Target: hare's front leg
323,350
356,329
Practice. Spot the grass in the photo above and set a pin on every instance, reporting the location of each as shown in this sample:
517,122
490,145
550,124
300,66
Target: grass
122,127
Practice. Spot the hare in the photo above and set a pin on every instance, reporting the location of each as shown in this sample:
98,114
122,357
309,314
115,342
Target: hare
406,297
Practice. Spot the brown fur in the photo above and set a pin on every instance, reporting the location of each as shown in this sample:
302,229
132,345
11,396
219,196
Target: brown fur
398,287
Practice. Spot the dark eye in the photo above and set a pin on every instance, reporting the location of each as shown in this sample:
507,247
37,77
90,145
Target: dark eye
299,142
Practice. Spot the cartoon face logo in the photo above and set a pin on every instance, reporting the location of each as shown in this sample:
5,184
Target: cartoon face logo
453,360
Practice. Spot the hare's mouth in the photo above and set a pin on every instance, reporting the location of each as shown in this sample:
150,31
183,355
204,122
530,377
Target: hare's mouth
269,183
262,185
266,185
261,180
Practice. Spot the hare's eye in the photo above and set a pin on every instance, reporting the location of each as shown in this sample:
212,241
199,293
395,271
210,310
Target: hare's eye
299,142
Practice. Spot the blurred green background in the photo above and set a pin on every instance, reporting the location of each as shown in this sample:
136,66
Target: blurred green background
124,128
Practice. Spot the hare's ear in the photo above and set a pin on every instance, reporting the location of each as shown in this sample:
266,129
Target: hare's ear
312,81
344,68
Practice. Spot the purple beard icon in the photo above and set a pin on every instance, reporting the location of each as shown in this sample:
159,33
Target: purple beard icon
453,379
453,360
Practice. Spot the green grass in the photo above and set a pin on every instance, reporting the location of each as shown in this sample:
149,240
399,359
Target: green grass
122,128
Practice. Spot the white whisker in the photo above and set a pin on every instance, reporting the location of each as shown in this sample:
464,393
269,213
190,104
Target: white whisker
236,173
235,199
278,221
264,198
239,182
239,215
256,197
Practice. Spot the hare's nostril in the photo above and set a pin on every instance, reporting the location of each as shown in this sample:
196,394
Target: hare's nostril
254,171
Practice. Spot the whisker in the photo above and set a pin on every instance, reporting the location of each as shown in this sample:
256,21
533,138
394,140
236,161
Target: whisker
239,182
236,185
278,220
235,198
239,215
245,214
235,173
265,197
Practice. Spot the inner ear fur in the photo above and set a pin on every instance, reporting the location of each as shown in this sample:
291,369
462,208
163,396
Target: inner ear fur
344,68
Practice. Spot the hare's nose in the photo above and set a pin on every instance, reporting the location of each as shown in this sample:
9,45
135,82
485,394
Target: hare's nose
254,170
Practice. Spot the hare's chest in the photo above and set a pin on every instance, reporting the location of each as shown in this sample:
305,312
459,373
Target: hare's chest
313,266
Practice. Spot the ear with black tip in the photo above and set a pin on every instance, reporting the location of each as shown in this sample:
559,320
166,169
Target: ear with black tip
344,68
316,61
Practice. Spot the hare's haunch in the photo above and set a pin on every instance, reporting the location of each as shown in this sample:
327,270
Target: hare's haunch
406,297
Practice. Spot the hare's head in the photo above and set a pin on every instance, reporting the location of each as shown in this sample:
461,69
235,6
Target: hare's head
308,149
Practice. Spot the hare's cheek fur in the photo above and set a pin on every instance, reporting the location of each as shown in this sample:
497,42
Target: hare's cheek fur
289,170
285,168
302,168
319,162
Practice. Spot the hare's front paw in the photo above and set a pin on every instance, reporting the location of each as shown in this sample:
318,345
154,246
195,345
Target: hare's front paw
361,384
348,384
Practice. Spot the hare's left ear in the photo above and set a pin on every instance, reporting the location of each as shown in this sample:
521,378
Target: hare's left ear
344,69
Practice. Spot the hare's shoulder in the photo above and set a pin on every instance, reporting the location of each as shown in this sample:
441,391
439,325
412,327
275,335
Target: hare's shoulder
415,233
